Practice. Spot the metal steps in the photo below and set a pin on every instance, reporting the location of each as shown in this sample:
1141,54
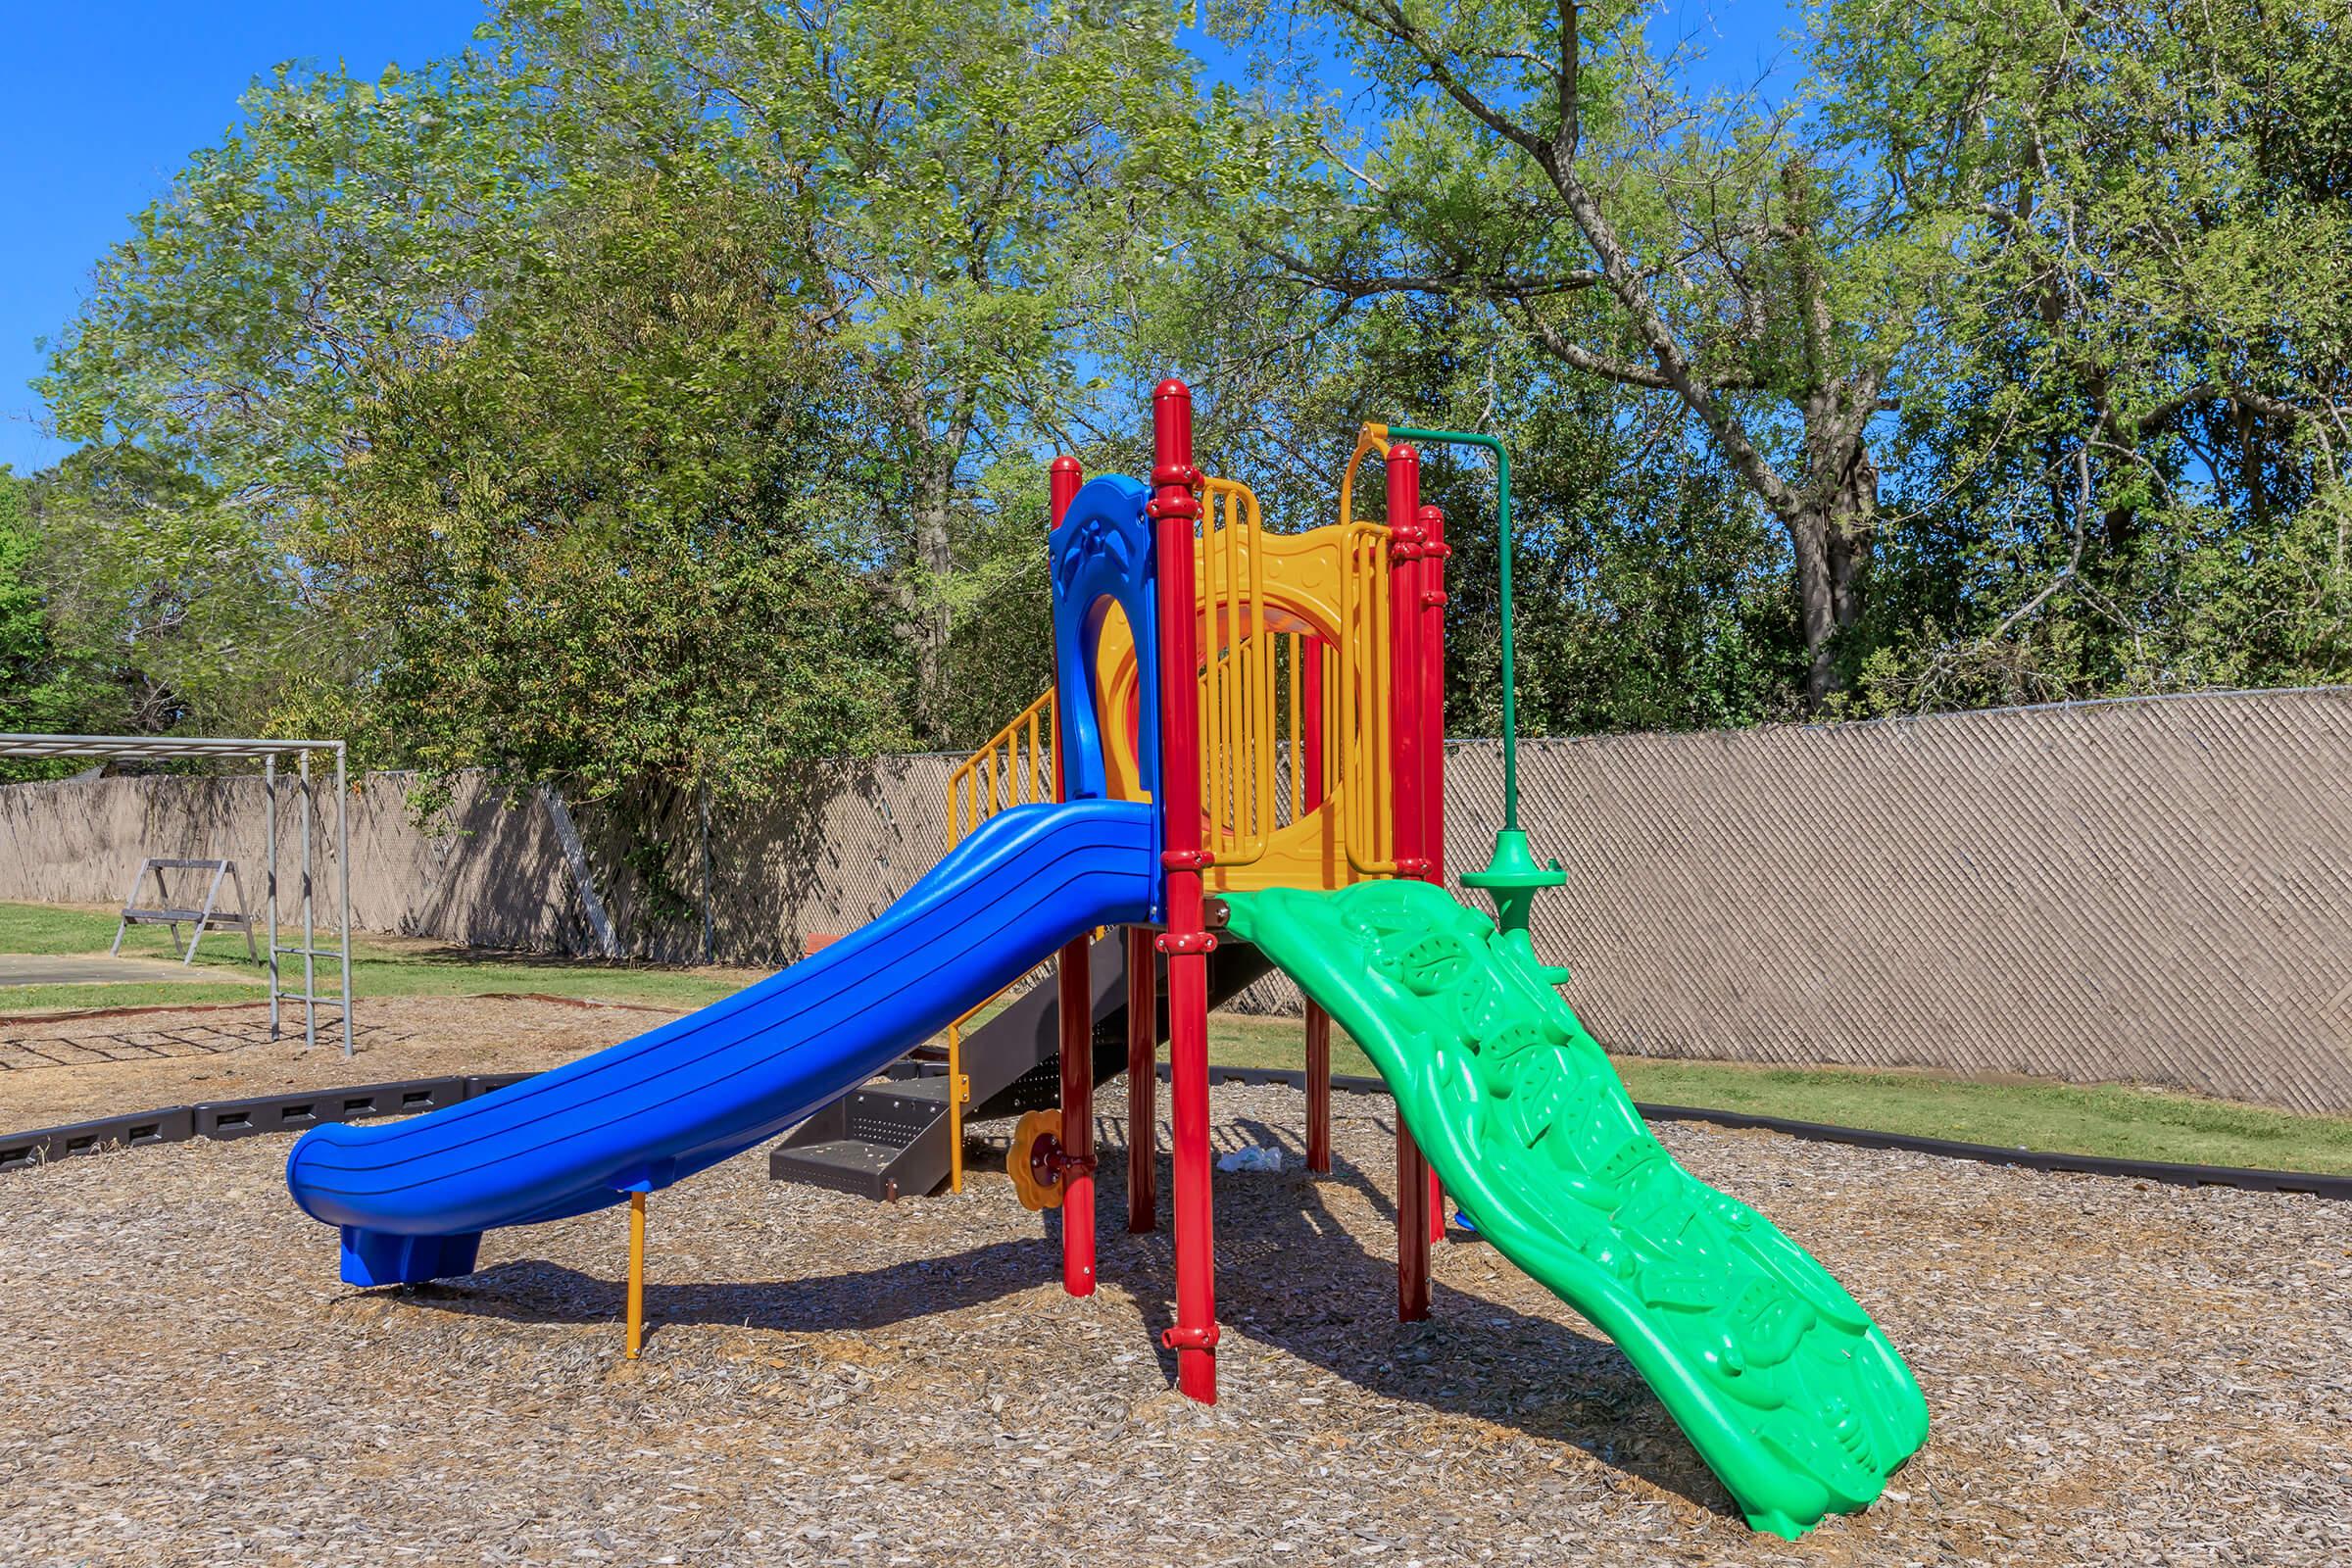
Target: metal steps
888,1138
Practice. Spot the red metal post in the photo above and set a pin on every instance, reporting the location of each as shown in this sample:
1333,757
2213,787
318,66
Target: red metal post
1403,474
1187,944
1413,1229
1063,480
1433,688
1143,1082
1318,1090
1309,746
1420,1211
1433,743
1074,1000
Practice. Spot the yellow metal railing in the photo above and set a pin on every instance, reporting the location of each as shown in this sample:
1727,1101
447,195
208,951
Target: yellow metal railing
1361,744
1369,438
1360,748
960,1091
1237,725
1014,768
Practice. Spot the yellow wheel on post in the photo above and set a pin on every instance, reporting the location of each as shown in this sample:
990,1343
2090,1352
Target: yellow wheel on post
1033,1160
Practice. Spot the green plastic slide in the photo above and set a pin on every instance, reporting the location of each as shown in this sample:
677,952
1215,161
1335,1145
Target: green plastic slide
1787,1389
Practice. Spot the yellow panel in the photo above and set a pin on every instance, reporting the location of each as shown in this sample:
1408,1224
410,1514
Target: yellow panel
1258,593
1115,682
1014,768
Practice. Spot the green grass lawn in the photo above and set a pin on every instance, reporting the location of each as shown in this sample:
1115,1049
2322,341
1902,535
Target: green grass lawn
379,968
2070,1118
2099,1119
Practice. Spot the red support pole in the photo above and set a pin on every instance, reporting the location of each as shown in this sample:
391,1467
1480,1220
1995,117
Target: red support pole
1309,742
1075,1003
1420,1210
1318,1090
1404,658
1143,1082
1187,944
1432,719
1433,688
1063,480
1413,1229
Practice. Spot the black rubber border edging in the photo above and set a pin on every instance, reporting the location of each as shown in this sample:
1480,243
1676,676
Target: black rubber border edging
2310,1184
246,1119
229,1119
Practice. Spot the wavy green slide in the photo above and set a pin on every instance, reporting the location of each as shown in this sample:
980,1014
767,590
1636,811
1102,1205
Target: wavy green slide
1787,1387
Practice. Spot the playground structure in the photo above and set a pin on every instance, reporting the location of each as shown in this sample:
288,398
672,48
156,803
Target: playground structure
1243,747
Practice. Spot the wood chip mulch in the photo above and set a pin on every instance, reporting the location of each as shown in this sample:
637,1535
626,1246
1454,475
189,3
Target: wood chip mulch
2120,1374
72,1069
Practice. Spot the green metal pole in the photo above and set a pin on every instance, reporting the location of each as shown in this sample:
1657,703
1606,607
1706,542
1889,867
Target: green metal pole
1511,876
1503,541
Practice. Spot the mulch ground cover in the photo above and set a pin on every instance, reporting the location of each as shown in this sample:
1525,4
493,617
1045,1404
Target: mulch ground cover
2120,1374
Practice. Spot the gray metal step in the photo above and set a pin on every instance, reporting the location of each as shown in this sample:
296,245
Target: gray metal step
888,1138
844,1164
882,1141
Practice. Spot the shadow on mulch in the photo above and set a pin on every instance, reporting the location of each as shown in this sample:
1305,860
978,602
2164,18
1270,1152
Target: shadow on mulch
1290,1275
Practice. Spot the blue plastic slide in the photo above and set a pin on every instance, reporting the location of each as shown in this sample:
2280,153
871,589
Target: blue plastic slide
414,1198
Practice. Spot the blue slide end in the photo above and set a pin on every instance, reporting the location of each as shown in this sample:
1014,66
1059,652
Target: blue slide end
379,1258
413,1199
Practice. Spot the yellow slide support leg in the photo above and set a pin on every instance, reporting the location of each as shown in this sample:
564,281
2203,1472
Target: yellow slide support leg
636,1274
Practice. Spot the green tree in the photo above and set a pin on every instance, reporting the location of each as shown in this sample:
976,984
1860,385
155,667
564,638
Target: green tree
611,537
943,190
344,228
2131,477
1545,163
38,691
174,607
966,187
1648,596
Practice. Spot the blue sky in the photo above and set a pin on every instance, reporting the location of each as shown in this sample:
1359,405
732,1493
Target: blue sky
101,104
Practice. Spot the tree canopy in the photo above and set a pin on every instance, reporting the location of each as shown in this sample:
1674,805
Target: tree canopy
660,393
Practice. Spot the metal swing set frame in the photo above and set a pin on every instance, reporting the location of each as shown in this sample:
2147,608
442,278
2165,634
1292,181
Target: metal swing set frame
269,753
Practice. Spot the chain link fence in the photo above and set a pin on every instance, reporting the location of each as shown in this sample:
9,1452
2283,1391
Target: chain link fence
2153,890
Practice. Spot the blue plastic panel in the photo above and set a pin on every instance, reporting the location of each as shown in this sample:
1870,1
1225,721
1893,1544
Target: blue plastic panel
1105,554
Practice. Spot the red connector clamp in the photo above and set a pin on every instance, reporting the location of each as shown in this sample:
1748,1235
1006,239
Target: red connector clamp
1183,1339
1433,600
1188,859
1186,942
1413,865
